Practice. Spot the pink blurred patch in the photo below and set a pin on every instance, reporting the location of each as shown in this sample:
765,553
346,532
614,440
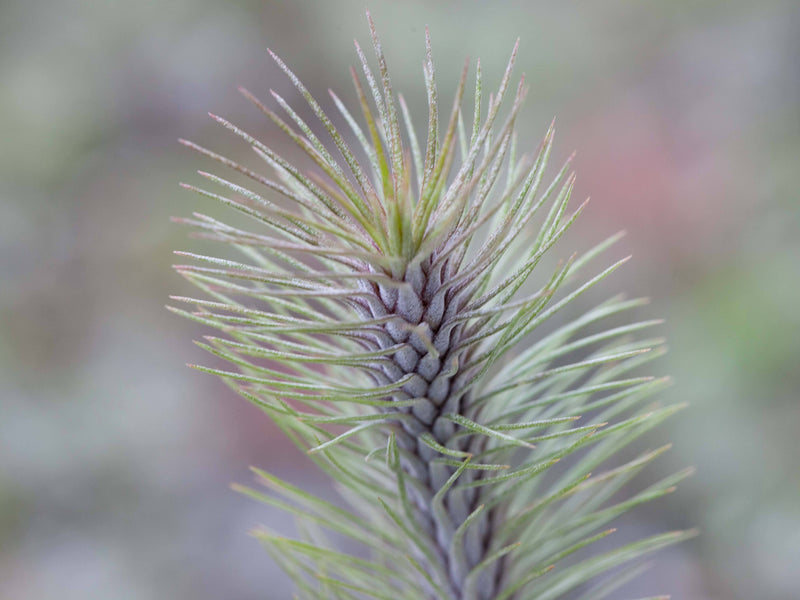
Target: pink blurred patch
660,179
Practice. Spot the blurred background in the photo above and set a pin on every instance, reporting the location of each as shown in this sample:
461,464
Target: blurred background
115,459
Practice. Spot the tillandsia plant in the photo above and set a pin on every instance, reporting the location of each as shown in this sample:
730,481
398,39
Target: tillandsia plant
374,317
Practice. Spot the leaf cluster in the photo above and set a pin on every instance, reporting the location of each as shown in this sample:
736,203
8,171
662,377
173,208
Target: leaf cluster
450,232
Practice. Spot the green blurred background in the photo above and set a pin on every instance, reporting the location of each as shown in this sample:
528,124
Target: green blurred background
115,458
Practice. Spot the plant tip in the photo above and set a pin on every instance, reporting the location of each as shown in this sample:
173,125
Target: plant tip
381,304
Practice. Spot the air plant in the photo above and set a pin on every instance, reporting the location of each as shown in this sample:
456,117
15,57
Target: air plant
388,313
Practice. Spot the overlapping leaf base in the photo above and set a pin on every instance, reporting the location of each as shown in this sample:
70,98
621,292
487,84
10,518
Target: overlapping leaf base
373,321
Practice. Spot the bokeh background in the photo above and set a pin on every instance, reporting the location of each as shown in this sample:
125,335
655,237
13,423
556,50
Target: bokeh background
115,458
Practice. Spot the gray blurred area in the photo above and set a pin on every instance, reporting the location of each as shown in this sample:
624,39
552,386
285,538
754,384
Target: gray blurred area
116,459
